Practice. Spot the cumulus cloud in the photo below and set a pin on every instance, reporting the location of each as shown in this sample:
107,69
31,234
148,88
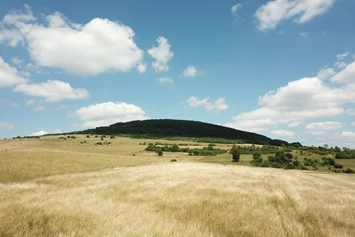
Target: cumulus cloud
161,54
273,12
326,73
236,7
294,124
109,113
300,100
165,80
342,56
283,133
9,76
98,46
347,75
43,132
190,71
142,67
6,126
324,126
218,105
53,91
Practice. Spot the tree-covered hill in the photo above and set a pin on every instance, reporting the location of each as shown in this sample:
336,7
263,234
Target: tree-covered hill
182,128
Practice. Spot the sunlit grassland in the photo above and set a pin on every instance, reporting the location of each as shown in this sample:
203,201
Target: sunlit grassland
26,159
53,187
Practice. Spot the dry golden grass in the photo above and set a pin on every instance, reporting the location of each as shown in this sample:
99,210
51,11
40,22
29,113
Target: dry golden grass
22,160
161,198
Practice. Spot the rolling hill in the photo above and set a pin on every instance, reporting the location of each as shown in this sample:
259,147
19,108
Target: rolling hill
183,128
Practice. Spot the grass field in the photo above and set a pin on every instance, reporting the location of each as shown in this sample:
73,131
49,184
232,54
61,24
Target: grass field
53,187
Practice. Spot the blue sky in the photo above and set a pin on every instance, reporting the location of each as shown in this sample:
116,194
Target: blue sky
282,68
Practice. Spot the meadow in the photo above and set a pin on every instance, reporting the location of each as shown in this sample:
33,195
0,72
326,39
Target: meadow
74,187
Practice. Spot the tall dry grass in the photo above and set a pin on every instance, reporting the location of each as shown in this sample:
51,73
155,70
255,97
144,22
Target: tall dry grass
180,199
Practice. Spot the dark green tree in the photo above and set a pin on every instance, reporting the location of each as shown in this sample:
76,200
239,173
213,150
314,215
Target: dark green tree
235,153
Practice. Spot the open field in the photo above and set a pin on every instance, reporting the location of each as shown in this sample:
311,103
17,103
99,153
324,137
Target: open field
52,187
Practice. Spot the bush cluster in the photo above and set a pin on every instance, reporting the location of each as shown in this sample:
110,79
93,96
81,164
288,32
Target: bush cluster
206,151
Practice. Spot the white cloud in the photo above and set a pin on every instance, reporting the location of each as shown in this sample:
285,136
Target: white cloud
353,124
236,7
348,135
324,126
30,102
6,126
307,98
304,34
326,73
302,100
294,124
43,132
340,64
273,12
142,67
9,76
16,16
165,80
283,133
109,113
252,125
161,55
307,93
53,91
345,76
17,61
39,108
190,71
218,105
98,46
39,133
342,56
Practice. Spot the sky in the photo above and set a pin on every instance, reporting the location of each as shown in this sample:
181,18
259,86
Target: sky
281,68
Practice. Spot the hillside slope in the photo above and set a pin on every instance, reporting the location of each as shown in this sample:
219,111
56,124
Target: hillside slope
182,128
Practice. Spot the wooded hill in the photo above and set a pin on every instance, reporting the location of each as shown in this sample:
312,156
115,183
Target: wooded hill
182,128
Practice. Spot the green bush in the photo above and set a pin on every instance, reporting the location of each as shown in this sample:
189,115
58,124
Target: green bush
349,171
338,166
173,160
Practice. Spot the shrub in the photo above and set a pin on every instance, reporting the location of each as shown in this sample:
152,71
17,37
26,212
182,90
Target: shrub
290,166
349,171
160,153
173,160
98,143
338,166
265,163
235,153
257,160
87,136
112,137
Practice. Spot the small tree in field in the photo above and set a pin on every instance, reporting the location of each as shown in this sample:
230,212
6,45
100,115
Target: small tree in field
235,153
